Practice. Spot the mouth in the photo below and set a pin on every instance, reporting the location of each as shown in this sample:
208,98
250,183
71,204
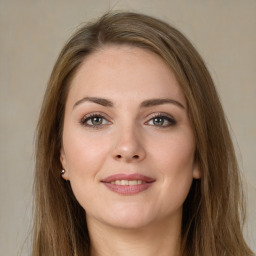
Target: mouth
128,184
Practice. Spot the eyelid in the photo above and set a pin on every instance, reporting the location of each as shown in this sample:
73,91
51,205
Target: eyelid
166,116
86,117
163,115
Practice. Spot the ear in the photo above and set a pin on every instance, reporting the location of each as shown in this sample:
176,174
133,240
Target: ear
196,171
63,161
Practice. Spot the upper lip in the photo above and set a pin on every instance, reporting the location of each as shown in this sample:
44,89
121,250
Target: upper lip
122,176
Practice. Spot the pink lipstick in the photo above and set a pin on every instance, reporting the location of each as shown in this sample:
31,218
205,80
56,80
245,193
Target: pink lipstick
128,184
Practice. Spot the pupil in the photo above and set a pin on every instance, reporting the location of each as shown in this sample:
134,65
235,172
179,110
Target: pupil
97,120
158,121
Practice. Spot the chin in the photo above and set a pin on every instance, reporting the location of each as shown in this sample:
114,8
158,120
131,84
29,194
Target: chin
128,223
129,218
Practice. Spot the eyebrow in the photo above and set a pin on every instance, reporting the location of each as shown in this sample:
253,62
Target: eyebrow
100,101
155,102
147,103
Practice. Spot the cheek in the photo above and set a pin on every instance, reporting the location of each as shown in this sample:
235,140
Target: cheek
85,153
174,152
175,159
85,157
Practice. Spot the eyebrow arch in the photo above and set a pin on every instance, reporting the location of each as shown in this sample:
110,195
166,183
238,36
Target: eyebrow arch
144,104
100,101
155,102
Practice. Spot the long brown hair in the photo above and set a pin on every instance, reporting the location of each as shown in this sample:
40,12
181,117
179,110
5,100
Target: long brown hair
213,212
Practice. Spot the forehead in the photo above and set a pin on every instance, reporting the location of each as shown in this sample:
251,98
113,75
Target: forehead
123,73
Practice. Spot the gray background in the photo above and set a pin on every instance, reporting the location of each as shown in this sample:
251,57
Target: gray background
32,34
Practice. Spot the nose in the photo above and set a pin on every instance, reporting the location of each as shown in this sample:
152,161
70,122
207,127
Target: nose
129,146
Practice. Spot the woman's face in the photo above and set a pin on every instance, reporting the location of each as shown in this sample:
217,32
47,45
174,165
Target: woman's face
128,145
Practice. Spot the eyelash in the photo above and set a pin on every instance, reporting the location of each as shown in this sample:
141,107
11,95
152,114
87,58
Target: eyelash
165,117
88,117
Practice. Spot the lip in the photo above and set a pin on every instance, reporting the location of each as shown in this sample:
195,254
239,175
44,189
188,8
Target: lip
122,176
128,189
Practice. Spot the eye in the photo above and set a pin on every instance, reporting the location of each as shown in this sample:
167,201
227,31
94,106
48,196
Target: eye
162,121
94,120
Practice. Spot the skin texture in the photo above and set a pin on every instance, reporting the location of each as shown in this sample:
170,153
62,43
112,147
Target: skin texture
129,140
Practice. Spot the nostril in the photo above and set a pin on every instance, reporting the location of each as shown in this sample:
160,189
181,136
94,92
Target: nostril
136,156
119,156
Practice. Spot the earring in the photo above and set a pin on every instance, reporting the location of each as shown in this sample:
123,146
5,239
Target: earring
62,172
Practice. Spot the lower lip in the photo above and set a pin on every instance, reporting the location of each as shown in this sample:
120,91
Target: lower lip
128,189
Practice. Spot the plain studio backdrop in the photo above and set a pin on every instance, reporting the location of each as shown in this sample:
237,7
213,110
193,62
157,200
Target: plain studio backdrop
33,33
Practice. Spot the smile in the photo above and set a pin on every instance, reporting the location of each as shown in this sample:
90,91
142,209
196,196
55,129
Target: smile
128,184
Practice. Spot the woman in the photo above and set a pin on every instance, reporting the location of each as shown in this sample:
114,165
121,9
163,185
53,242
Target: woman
134,155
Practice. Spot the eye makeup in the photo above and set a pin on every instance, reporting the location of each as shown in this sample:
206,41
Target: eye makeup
98,120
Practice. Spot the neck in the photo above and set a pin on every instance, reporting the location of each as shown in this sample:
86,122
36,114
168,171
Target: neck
162,239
